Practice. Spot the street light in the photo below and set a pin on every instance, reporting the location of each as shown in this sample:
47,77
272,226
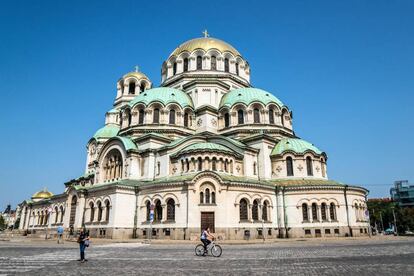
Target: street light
395,222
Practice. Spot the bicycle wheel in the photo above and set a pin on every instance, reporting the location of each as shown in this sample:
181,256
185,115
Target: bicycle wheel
199,250
216,250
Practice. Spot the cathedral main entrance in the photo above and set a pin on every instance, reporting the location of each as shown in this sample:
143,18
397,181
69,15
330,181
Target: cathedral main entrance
207,220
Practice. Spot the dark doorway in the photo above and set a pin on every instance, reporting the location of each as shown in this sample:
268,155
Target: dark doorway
207,220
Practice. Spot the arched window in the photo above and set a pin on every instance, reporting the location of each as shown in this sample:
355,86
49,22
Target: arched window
186,119
129,118
201,197
309,167
332,211
213,63
185,68
199,63
121,84
108,209
289,166
158,211
356,212
271,116
305,215
282,118
207,196
214,164
73,210
175,68
243,209
323,211
314,212
240,116
131,89
237,68
187,165
323,168
148,205
120,119
142,87
56,214
226,65
62,213
213,197
113,165
264,211
255,210
171,209
254,168
156,117
92,216
172,117
100,209
256,116
141,116
199,164
226,120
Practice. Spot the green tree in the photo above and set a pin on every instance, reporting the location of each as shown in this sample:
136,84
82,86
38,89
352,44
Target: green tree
384,209
2,223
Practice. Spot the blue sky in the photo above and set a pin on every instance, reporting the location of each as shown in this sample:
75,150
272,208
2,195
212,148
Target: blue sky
345,68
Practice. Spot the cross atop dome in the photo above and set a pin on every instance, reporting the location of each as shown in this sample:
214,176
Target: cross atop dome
205,33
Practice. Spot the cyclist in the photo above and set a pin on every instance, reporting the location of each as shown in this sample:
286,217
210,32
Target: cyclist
206,238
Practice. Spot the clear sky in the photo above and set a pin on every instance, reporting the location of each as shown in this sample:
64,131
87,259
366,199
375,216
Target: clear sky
345,68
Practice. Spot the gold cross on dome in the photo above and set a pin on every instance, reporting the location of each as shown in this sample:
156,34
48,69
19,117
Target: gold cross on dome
205,33
136,68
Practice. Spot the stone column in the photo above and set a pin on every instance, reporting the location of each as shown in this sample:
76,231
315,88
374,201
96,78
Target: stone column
249,212
164,212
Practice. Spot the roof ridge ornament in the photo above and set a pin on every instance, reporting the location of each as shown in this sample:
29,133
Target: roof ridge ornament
136,68
205,33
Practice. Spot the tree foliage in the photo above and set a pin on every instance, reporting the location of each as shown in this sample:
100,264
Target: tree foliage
2,223
382,218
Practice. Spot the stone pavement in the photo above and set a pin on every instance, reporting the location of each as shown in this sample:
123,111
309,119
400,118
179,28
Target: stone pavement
388,256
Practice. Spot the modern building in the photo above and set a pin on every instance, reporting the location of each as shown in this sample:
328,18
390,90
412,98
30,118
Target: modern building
204,148
403,193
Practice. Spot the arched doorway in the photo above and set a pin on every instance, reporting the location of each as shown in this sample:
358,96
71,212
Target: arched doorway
72,217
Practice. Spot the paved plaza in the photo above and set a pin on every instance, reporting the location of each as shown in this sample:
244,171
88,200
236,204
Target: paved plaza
391,256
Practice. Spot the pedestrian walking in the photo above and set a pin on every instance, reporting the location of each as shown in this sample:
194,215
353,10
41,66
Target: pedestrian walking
83,241
60,231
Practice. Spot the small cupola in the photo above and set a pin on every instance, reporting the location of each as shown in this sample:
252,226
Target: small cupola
131,85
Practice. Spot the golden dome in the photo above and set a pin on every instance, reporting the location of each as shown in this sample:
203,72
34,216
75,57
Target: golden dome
42,194
205,43
135,74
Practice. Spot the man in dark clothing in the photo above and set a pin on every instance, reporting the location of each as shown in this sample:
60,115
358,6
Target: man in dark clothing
83,237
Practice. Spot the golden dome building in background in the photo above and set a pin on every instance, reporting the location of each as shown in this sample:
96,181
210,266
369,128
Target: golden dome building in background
204,148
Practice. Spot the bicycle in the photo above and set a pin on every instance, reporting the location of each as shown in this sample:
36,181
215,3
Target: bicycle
214,249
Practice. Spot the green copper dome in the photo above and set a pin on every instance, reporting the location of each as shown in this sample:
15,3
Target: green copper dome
248,96
164,95
204,146
294,145
107,132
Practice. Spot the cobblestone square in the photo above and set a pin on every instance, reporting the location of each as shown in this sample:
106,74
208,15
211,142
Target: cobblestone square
300,257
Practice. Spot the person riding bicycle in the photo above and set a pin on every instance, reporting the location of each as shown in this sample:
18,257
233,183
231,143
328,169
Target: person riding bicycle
206,238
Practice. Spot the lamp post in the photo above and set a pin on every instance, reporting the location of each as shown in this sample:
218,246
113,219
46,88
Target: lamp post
395,222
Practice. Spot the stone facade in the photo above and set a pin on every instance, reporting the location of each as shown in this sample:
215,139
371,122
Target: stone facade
203,149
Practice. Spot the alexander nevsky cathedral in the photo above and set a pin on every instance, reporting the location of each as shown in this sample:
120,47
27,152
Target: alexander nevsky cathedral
204,148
